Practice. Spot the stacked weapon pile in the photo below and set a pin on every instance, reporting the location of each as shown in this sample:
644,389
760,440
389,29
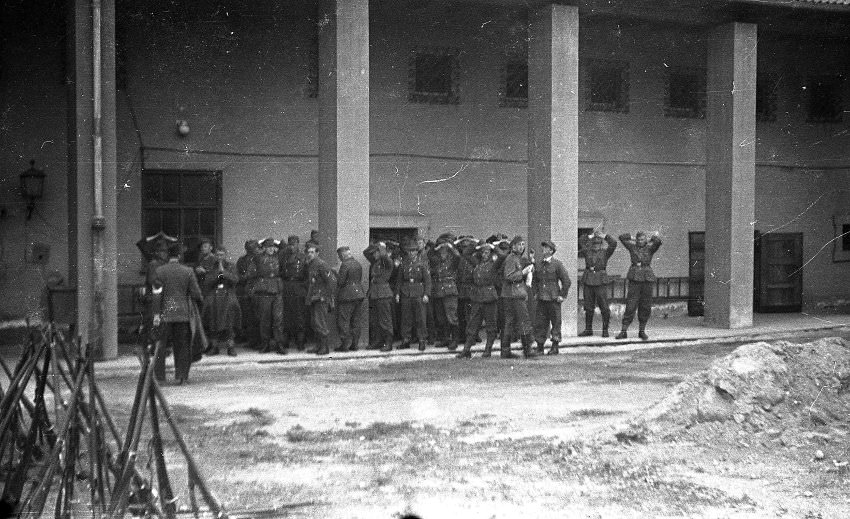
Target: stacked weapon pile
73,452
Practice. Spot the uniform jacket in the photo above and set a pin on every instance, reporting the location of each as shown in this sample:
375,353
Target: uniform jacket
208,263
465,266
321,282
267,274
513,280
221,307
413,278
641,269
179,290
380,271
444,274
486,276
228,277
551,279
293,272
243,270
350,281
596,262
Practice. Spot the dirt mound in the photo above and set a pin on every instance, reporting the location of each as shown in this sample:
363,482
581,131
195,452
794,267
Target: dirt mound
756,387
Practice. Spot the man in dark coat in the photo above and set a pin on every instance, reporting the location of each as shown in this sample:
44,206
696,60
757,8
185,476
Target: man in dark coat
552,284
244,291
293,272
641,281
413,278
206,260
349,300
174,309
515,298
321,291
486,277
380,295
160,258
222,313
595,279
268,302
444,264
466,245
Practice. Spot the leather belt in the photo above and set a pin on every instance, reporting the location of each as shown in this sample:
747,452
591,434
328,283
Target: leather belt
593,269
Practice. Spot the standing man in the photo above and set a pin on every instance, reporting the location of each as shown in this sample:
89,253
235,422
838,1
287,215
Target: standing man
222,314
444,296
465,266
515,299
380,295
206,260
321,289
413,286
293,272
160,258
595,279
552,285
349,299
268,302
244,290
173,310
641,279
486,277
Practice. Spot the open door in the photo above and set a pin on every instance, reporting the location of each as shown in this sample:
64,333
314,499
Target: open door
696,273
779,262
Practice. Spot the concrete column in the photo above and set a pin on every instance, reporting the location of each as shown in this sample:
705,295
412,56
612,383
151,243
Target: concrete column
344,128
730,175
81,168
553,139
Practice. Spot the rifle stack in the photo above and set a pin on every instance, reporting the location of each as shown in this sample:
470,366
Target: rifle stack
60,445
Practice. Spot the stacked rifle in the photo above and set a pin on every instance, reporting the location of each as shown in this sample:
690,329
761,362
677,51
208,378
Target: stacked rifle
71,451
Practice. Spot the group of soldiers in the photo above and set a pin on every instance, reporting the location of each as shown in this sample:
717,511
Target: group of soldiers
277,295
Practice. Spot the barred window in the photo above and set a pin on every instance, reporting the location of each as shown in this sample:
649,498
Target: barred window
433,76
514,90
685,93
607,86
824,98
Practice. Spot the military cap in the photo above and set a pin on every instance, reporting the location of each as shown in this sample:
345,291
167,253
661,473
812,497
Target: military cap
269,242
292,240
517,239
548,243
251,244
343,248
409,245
639,234
446,237
595,240
207,239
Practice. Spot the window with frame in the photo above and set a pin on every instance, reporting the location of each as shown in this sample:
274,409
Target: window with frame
824,98
685,96
514,91
766,88
183,204
433,76
607,86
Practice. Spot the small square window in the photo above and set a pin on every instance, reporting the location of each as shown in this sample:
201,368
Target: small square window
514,91
824,99
433,76
766,87
685,93
607,86
845,237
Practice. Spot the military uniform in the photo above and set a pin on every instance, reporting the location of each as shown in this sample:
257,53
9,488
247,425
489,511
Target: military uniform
413,283
321,289
244,290
268,303
641,280
465,266
208,263
222,313
595,281
444,294
380,297
514,297
349,301
293,271
179,291
551,282
486,276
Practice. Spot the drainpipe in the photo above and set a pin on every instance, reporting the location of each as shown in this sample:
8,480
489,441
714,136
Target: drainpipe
98,223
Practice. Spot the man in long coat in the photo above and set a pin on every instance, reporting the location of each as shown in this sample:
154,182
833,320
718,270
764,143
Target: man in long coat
515,298
380,296
349,300
413,278
321,293
268,302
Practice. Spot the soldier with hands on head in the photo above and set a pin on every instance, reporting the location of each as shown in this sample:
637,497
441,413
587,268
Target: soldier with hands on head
466,245
349,300
552,284
413,284
244,291
268,302
293,273
222,313
641,281
320,299
444,265
206,260
514,296
380,295
486,275
595,279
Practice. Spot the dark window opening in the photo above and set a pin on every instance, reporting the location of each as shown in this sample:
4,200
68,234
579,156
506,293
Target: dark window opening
514,91
608,86
433,77
825,103
685,93
845,237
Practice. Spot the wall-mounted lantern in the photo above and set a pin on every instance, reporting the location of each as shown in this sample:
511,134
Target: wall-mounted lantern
32,186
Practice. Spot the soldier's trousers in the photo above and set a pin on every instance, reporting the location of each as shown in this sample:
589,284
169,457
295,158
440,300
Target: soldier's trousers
516,317
348,315
380,319
597,296
294,315
412,308
445,313
464,309
269,309
486,312
177,337
319,319
250,329
640,299
547,314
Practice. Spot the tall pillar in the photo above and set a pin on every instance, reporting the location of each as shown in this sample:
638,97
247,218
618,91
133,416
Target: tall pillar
553,139
344,128
730,175
81,170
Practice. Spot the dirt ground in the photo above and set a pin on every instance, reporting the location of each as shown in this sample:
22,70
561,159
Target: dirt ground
491,438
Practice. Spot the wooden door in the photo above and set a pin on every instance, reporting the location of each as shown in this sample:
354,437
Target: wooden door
780,283
696,273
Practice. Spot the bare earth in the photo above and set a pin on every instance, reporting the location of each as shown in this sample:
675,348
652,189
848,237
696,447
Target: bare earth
490,438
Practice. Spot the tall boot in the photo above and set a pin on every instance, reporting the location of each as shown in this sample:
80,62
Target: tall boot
230,347
355,341
453,338
299,341
388,343
553,350
324,348
488,348
605,321
642,332
505,346
588,325
526,347
467,350
540,347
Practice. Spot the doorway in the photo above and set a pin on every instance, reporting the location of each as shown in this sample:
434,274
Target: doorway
778,272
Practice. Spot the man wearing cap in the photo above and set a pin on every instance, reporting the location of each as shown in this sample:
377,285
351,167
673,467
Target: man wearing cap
466,245
222,314
160,258
444,264
293,272
515,298
380,295
641,280
552,284
244,290
349,299
321,292
206,260
595,279
486,275
413,281
267,297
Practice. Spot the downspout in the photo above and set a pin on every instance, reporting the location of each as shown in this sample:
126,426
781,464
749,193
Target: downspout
98,223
